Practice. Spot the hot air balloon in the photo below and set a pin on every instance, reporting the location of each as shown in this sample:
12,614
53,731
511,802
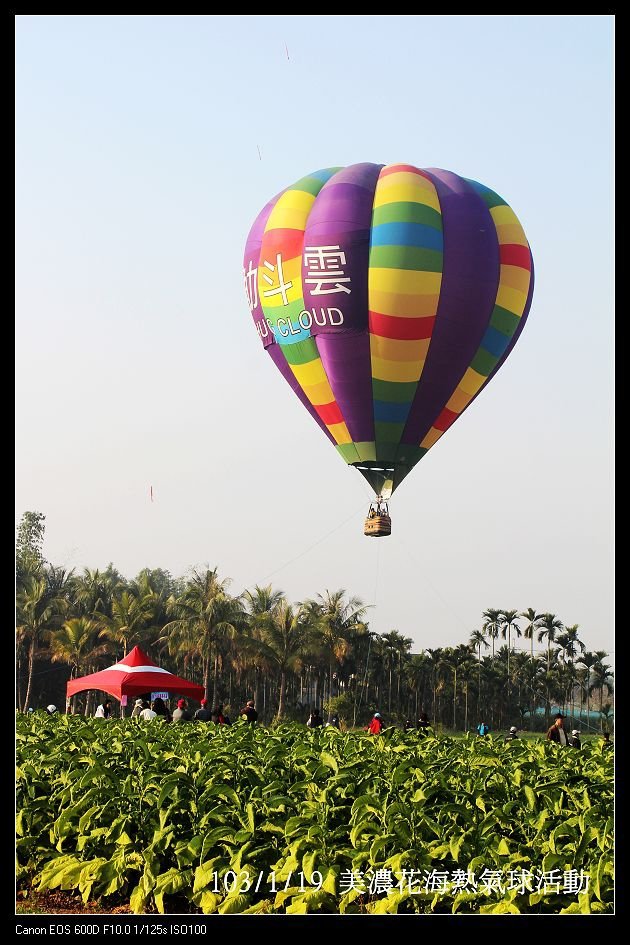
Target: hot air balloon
387,296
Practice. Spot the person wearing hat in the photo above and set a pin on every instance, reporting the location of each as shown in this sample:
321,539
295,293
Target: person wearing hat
376,725
203,714
181,713
138,706
511,734
575,741
556,732
51,709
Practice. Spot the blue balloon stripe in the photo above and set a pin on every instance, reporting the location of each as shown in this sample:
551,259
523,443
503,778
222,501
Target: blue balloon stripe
495,341
407,234
390,412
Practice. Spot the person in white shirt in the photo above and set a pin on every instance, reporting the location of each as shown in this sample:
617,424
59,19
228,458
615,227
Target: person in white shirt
148,713
104,710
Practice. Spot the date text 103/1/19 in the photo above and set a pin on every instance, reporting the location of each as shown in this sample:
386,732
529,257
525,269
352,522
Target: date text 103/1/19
244,881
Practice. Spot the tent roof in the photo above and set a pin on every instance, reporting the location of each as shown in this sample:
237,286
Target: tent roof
134,675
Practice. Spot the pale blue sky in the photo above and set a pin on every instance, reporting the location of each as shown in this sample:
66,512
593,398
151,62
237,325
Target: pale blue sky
137,179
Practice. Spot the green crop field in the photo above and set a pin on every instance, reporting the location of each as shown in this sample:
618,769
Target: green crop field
243,819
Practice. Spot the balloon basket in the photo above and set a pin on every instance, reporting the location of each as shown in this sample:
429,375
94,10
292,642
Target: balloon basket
378,526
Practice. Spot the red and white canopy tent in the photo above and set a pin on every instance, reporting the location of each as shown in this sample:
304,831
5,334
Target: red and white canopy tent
133,676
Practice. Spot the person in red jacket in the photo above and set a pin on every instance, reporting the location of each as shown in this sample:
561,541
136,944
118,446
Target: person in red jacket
376,725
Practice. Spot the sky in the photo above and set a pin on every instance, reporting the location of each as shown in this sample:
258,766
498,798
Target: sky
145,148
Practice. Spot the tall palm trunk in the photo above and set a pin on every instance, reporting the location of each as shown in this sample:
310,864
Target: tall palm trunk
31,660
215,679
479,681
18,679
206,676
454,697
281,694
256,686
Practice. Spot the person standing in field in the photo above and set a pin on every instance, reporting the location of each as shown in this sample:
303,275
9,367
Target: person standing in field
423,720
203,714
556,732
181,713
314,720
511,734
138,706
104,710
217,715
483,729
249,712
147,713
161,709
376,725
575,741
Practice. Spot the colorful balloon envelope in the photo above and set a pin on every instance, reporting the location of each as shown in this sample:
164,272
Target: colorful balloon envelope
388,297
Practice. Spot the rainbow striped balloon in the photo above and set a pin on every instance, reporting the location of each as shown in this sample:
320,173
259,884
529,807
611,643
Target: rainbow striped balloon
388,297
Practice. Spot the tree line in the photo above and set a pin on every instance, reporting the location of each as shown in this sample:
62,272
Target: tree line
291,656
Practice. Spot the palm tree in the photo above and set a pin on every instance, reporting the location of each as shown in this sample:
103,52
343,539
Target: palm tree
492,624
550,626
454,658
395,645
205,615
507,620
336,620
285,639
260,604
433,659
588,660
416,672
133,617
75,643
477,640
602,677
403,646
262,600
40,606
568,642
94,591
533,624
466,674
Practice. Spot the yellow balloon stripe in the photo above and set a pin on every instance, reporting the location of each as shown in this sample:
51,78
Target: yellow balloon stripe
512,292
400,371
403,306
291,213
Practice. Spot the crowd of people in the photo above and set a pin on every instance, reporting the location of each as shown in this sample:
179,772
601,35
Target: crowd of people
157,708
